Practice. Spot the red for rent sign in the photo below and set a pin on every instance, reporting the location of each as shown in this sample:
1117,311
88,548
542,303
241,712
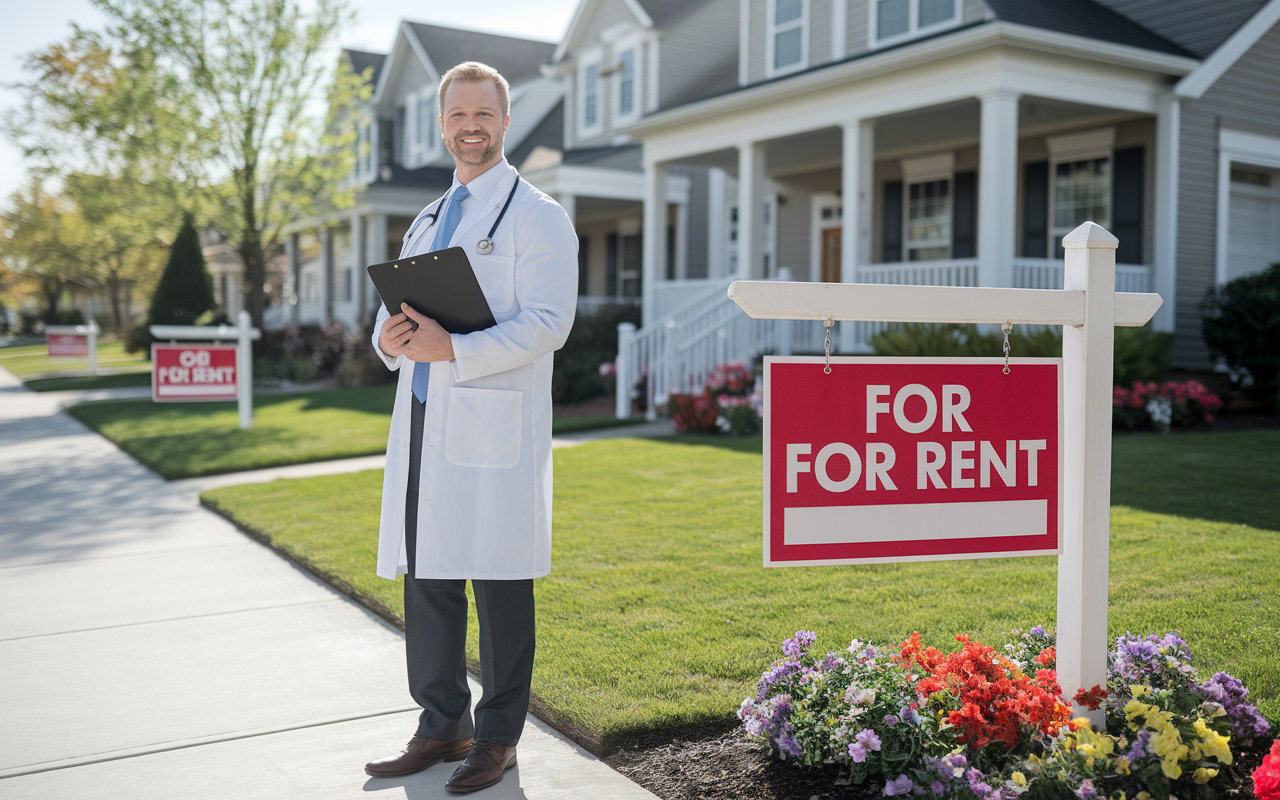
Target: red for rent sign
67,344
193,372
911,459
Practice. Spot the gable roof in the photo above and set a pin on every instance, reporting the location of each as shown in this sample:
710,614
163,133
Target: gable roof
517,59
360,61
1229,52
661,10
1201,26
1084,18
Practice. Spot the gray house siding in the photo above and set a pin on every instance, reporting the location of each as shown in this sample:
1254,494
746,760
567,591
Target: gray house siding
696,241
755,40
698,56
1240,100
820,31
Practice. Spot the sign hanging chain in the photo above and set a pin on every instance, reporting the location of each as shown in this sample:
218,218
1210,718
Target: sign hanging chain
1007,328
827,323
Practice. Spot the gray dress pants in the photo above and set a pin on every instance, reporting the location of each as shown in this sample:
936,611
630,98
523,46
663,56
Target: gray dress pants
435,622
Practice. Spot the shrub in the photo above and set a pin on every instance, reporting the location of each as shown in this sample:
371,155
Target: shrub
692,413
185,290
953,340
730,402
1174,405
1240,323
593,341
360,364
1141,354
299,352
976,724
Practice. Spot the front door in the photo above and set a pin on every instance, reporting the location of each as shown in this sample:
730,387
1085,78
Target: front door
831,255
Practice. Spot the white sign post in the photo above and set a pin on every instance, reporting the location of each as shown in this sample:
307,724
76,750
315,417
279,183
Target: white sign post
245,334
1088,308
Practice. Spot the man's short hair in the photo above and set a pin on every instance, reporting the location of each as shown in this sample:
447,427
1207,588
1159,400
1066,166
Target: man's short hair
474,71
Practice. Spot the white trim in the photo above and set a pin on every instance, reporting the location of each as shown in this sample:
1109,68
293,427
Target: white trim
393,61
582,12
632,44
839,29
1237,147
589,58
772,32
744,42
717,224
652,70
1194,86
1168,152
937,167
914,31
893,61
641,15
1081,145
610,184
817,202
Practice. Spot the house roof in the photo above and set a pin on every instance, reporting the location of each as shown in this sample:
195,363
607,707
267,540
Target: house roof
660,10
1201,26
360,61
1086,18
517,59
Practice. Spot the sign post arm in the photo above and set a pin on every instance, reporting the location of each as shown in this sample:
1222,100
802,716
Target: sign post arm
244,369
1087,354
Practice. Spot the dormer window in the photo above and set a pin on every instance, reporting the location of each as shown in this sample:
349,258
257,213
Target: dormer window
897,20
787,45
589,115
626,80
419,127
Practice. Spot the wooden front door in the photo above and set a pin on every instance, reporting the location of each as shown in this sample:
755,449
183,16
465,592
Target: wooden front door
831,255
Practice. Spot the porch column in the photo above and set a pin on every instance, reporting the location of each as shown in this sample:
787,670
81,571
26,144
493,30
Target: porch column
569,203
654,249
857,170
750,209
1165,280
998,188
295,276
682,241
359,245
326,269
377,253
717,219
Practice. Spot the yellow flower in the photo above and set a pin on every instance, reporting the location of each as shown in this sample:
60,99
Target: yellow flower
1213,743
1143,796
1018,779
1203,775
1122,766
1139,689
1171,769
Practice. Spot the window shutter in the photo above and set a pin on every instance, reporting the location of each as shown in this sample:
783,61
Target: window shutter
1126,204
583,250
963,215
891,223
1035,209
611,265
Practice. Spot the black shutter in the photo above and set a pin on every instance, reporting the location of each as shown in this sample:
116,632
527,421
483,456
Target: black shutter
891,223
611,265
964,215
1126,204
1035,209
583,244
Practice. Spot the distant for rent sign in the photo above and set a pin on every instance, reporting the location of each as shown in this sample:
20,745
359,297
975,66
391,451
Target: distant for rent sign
193,372
908,459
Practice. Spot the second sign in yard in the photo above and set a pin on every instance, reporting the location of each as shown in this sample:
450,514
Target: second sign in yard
911,459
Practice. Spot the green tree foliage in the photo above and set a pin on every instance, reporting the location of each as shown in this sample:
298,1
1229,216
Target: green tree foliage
1240,323
185,290
43,238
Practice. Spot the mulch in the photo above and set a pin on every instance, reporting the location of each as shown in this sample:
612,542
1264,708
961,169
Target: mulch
732,767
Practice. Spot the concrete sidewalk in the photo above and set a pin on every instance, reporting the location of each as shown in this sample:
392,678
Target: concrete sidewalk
147,649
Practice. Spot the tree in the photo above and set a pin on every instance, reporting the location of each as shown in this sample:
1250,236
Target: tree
43,241
254,69
185,290
1240,322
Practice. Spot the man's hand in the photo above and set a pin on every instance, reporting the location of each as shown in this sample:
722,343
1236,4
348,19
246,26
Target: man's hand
429,343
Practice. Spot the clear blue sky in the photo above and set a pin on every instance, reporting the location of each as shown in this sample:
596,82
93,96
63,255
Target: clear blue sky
31,26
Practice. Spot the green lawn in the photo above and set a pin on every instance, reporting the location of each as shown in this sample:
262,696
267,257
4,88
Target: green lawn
184,440
32,360
658,618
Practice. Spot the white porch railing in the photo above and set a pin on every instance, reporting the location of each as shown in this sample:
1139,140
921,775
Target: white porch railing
702,328
1046,273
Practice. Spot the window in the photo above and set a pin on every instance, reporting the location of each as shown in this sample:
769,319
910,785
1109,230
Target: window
929,221
894,20
788,41
626,84
589,122
1081,193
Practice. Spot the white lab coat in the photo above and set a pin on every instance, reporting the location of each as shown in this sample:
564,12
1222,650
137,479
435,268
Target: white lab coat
484,507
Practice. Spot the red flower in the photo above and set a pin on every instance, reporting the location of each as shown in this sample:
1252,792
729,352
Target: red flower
1048,657
1091,698
1266,778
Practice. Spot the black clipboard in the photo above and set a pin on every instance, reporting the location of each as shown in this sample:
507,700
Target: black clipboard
440,285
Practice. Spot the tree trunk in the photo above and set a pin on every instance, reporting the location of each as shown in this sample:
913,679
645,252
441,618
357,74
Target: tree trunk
52,290
117,319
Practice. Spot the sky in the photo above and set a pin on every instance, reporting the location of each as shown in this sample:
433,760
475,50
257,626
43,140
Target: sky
30,26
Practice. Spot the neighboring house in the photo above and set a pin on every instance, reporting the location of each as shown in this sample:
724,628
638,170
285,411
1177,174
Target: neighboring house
402,163
955,141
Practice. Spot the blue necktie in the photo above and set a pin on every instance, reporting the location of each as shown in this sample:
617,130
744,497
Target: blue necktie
452,216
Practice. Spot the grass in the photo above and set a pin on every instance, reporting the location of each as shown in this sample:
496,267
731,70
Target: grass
572,423
657,617
185,440
33,360
66,382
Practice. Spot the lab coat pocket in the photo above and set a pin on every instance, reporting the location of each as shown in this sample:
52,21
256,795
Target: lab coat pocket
484,427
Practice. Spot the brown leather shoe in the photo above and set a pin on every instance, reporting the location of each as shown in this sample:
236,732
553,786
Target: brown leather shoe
484,767
418,754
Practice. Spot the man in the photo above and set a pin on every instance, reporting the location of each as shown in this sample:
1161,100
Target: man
467,492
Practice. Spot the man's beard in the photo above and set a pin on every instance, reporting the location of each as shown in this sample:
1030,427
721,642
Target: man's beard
488,154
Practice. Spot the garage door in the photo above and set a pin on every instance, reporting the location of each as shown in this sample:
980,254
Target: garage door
1254,225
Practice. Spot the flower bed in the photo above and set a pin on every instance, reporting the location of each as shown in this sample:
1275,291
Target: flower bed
1147,406
975,723
732,401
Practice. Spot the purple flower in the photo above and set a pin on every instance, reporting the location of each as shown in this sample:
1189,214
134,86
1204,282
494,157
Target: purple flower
790,746
1037,630
864,742
1229,693
1086,790
800,644
890,719
898,786
937,788
1139,748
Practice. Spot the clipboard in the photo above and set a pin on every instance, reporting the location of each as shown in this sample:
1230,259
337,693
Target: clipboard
440,284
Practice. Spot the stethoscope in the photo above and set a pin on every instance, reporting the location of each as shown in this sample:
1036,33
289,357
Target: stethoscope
485,246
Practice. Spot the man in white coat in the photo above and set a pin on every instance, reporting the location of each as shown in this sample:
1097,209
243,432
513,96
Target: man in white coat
467,492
